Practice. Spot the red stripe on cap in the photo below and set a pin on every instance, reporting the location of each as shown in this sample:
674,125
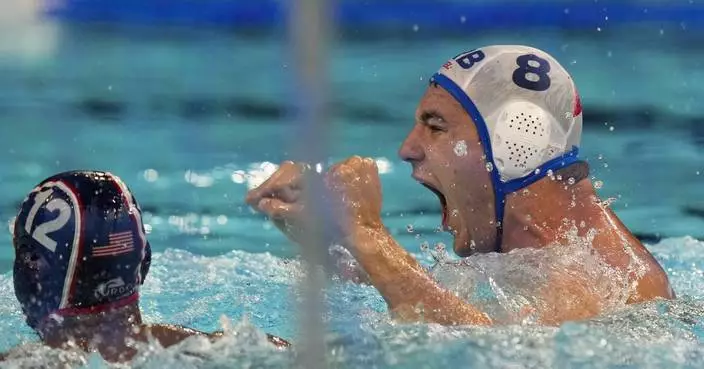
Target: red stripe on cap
74,311
577,104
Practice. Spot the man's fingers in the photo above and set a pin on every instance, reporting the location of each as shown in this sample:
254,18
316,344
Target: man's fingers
283,183
277,209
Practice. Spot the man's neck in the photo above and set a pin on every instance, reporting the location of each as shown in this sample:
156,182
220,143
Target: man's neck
103,331
535,215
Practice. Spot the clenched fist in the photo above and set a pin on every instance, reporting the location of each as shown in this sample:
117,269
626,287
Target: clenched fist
350,199
356,191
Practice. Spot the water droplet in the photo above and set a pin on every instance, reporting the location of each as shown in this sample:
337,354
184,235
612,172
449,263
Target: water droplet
598,29
537,171
600,157
598,184
550,174
463,19
558,177
698,172
460,148
455,212
606,165
415,28
489,167
424,246
608,201
409,228
417,236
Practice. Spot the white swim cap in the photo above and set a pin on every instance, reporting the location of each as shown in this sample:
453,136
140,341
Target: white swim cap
526,109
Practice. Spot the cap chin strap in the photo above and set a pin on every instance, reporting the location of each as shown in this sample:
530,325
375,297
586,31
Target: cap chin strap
501,188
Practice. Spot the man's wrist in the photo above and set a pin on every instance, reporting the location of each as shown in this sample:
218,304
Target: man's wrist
365,240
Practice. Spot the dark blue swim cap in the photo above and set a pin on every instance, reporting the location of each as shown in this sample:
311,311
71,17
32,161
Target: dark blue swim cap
80,246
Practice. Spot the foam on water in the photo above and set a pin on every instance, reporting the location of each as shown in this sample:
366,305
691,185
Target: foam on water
526,285
258,293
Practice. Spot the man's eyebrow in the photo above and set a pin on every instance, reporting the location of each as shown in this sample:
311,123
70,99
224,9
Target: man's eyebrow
427,115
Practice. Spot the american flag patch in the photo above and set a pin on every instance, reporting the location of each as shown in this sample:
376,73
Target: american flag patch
120,243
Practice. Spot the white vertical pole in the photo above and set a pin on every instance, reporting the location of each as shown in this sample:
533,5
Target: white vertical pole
310,30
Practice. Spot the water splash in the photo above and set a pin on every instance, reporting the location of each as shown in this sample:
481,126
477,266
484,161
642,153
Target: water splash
255,288
519,287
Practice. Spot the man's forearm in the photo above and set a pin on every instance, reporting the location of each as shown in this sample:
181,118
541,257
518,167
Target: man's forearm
408,290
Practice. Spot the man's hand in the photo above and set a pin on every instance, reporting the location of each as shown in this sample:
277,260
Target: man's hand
281,199
350,198
355,191
352,193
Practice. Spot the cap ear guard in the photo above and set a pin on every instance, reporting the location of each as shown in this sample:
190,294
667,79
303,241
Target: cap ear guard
523,139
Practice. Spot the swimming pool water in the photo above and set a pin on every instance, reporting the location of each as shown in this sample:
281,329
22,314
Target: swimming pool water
191,118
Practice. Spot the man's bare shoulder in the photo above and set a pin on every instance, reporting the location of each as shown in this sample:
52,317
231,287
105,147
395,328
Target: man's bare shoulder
170,334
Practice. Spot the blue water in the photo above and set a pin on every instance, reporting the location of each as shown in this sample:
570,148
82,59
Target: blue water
190,118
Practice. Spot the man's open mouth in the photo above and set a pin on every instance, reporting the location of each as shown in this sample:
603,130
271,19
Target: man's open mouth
443,203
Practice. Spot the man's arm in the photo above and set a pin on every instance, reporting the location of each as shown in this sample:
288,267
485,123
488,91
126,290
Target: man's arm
408,290
168,334
275,340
